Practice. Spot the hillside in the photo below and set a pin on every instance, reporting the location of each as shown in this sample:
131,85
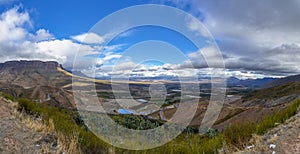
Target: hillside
49,87
286,80
21,134
36,80
284,138
275,92
28,74
251,83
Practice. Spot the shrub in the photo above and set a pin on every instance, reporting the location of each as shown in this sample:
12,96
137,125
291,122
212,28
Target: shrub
278,117
65,123
8,96
237,135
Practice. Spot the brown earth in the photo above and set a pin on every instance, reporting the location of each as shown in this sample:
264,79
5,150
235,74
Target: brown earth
21,135
285,138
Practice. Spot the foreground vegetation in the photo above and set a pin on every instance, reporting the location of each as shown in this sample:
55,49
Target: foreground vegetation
77,136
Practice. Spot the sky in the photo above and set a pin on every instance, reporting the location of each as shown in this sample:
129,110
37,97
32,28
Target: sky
255,38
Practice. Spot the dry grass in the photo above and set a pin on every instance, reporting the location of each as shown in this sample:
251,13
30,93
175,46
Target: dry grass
70,145
236,136
36,124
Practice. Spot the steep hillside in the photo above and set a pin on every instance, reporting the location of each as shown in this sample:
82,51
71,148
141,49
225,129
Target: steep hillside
21,134
32,73
271,93
36,80
251,83
283,81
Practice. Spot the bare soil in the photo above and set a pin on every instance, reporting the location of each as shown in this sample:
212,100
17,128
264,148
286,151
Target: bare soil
15,137
283,139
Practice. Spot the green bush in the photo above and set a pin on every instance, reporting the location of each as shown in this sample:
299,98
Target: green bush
7,96
65,123
237,135
278,117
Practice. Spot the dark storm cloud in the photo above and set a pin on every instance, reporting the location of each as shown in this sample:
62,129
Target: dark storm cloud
255,35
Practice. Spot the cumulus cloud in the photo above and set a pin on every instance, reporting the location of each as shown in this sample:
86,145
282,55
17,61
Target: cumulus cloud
89,38
256,39
11,25
17,43
261,36
42,35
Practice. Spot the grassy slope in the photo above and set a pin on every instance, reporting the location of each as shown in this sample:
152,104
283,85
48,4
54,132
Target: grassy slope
274,92
236,135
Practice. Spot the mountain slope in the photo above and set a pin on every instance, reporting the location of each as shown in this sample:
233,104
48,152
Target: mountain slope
38,81
32,73
20,134
286,80
251,83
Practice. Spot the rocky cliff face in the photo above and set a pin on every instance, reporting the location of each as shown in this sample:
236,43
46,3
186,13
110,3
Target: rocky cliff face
31,73
36,80
20,65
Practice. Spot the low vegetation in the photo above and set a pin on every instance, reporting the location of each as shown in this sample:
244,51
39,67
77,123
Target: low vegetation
68,124
229,116
277,117
77,136
274,92
135,122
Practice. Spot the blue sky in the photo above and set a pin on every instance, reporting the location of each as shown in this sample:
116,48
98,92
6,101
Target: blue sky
258,41
70,17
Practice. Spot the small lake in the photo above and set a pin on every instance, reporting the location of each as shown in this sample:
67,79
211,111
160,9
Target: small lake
124,111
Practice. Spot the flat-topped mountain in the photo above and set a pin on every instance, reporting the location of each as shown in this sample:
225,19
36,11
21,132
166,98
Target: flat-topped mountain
31,73
23,64
36,80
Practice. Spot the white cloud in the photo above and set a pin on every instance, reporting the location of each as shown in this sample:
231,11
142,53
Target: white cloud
250,48
11,23
61,50
89,38
42,35
17,43
107,58
251,35
195,25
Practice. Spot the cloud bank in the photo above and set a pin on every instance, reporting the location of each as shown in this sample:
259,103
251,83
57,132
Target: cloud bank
257,36
17,43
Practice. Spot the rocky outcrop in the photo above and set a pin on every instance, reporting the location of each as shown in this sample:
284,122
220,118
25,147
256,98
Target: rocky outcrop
38,81
49,66
31,73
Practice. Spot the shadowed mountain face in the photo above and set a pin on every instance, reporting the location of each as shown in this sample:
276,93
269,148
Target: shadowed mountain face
28,74
251,83
39,81
286,80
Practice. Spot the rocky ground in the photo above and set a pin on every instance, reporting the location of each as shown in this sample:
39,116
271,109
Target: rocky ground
23,135
283,139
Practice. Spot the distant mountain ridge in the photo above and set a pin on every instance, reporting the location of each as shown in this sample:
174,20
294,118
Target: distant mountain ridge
251,83
283,81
